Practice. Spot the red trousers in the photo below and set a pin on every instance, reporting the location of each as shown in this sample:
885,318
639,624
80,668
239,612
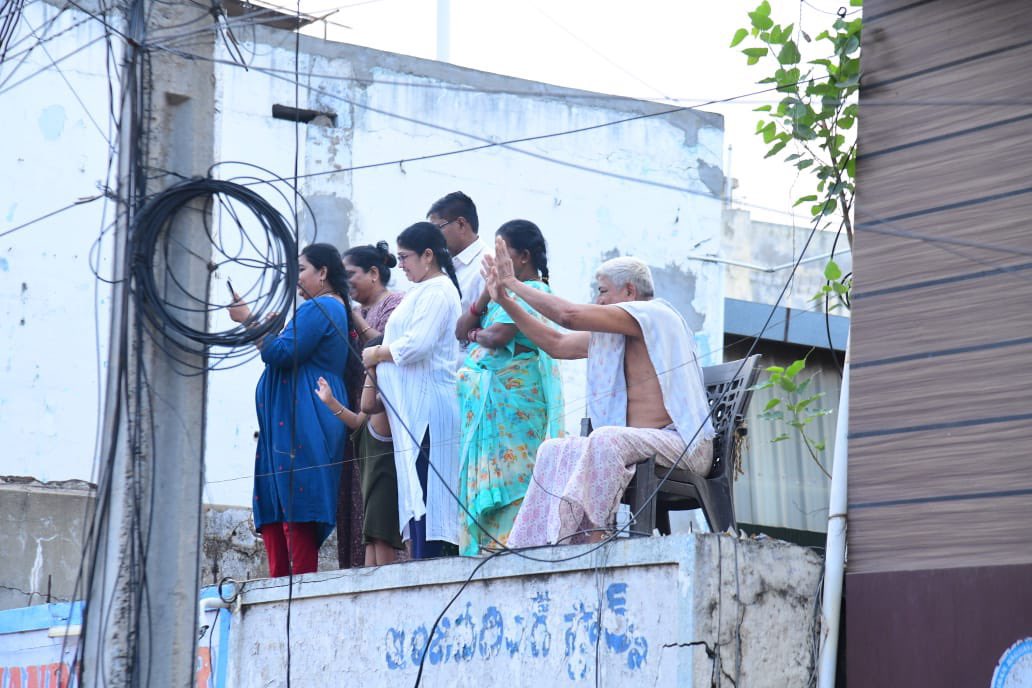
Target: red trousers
287,543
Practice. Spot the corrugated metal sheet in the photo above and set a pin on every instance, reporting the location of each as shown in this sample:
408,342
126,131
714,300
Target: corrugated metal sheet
781,485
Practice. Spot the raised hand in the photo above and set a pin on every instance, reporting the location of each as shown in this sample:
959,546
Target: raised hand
238,310
502,262
323,391
487,269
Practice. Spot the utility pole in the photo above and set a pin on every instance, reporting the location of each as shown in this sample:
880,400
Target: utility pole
443,30
141,626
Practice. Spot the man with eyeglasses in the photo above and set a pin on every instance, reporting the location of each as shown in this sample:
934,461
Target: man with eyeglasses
456,216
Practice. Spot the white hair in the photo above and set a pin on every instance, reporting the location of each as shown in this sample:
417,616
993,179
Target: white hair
628,270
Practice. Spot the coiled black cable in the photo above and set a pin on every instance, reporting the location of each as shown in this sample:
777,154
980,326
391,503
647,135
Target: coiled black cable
156,238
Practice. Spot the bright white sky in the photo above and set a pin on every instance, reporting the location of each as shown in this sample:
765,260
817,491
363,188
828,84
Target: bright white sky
665,50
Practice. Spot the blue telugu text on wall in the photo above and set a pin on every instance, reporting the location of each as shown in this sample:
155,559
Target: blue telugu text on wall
577,630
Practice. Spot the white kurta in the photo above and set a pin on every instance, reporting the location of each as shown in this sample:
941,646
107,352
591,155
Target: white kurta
419,393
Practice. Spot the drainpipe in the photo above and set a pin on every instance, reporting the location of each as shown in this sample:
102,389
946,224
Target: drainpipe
835,549
203,605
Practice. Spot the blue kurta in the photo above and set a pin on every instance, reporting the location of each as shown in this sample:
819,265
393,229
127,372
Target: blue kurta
313,343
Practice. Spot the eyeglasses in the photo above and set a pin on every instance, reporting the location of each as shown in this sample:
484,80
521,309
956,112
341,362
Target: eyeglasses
402,257
445,224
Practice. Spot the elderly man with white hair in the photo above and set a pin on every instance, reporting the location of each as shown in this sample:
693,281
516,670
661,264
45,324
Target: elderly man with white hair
646,397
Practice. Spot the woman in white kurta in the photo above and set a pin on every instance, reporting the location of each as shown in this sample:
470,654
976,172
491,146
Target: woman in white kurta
415,369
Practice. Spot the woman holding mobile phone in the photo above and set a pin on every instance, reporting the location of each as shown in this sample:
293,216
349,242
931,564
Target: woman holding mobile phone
300,443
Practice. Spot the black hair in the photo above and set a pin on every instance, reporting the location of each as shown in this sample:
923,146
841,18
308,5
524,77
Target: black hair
327,256
425,235
524,235
368,257
456,205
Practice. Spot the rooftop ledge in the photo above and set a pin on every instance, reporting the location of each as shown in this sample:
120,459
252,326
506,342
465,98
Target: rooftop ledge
663,611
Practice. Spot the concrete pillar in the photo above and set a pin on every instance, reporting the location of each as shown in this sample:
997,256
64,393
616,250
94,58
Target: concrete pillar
141,609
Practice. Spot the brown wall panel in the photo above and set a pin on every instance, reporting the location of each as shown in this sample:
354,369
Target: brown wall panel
935,34
939,463
940,544
946,534
972,385
970,313
934,628
882,261
945,173
918,109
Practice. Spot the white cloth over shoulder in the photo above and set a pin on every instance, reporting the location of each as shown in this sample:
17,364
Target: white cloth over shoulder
673,352
419,393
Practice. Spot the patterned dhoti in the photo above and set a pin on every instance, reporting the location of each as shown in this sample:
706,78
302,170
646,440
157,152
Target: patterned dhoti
578,481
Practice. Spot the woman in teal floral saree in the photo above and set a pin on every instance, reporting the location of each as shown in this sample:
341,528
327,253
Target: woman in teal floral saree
510,399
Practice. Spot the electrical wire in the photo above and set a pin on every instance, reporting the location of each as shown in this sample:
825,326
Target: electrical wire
153,236
507,144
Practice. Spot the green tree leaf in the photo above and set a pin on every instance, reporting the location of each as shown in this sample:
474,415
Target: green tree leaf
777,148
739,37
755,52
789,53
795,368
832,271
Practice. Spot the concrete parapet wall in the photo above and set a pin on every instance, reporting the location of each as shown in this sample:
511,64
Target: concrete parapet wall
41,537
674,611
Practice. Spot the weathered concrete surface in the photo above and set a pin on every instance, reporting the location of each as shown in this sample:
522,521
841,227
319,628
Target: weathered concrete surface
41,530
41,535
768,245
675,611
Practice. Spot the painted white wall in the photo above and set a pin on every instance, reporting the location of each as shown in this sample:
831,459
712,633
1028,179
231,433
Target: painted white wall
53,311
49,376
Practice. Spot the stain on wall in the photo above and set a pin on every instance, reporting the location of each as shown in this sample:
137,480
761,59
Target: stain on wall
673,284
52,122
677,286
326,218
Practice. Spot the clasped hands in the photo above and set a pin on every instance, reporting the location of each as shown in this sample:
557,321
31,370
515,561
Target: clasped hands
497,270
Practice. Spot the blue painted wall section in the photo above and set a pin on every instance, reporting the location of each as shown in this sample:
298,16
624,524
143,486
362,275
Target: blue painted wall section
485,635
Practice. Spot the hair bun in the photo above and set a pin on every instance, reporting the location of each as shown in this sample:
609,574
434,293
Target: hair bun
385,254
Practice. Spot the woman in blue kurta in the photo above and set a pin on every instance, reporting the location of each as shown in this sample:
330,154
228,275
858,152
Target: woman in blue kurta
300,444
510,397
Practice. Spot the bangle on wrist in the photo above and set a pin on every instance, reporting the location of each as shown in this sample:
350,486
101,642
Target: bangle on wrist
341,410
365,329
